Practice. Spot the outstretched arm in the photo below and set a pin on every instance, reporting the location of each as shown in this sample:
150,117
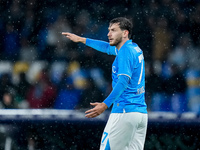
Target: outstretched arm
96,44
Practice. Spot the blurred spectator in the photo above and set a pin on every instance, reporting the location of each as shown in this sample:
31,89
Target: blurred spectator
42,41
22,88
58,44
1,37
68,96
76,73
176,87
195,23
90,94
56,71
8,101
83,23
28,52
43,93
178,56
193,56
154,87
90,59
193,91
162,40
70,87
167,11
6,85
16,14
11,43
28,25
180,25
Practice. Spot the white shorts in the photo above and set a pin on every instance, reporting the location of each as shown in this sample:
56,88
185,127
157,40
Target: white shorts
125,131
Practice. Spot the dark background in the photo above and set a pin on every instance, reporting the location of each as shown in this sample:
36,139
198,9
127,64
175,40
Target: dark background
41,69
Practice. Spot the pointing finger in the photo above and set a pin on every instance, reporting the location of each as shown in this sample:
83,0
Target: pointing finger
65,33
91,115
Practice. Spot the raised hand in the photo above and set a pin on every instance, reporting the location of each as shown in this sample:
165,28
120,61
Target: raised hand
74,37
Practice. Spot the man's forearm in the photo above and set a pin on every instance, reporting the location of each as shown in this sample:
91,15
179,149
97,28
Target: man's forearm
119,88
96,44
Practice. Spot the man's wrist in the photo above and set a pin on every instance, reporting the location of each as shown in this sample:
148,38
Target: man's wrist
105,106
82,40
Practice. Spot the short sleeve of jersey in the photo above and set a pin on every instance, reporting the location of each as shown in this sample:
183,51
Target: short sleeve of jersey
126,62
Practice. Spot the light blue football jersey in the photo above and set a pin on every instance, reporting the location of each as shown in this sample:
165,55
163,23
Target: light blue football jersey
129,61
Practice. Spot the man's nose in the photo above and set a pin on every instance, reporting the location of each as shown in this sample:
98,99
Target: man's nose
108,34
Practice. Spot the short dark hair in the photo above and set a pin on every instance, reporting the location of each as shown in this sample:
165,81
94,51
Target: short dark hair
124,24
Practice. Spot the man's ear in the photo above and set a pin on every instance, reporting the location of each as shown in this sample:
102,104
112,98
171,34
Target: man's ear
126,32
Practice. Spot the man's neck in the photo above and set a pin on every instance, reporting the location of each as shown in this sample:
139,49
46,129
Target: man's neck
121,43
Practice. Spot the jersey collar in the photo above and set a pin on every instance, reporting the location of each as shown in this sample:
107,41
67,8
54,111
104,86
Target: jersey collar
126,43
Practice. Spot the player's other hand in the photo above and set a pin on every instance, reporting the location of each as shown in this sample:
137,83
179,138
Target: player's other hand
74,37
98,109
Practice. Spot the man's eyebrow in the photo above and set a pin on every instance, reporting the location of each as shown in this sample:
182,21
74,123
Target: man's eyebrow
111,28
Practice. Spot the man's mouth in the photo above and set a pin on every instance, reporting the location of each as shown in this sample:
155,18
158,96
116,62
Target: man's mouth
110,40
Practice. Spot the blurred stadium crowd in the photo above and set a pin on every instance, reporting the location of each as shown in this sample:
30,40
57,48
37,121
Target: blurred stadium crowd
40,68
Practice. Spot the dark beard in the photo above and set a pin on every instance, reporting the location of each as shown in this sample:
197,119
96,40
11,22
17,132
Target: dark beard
118,40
